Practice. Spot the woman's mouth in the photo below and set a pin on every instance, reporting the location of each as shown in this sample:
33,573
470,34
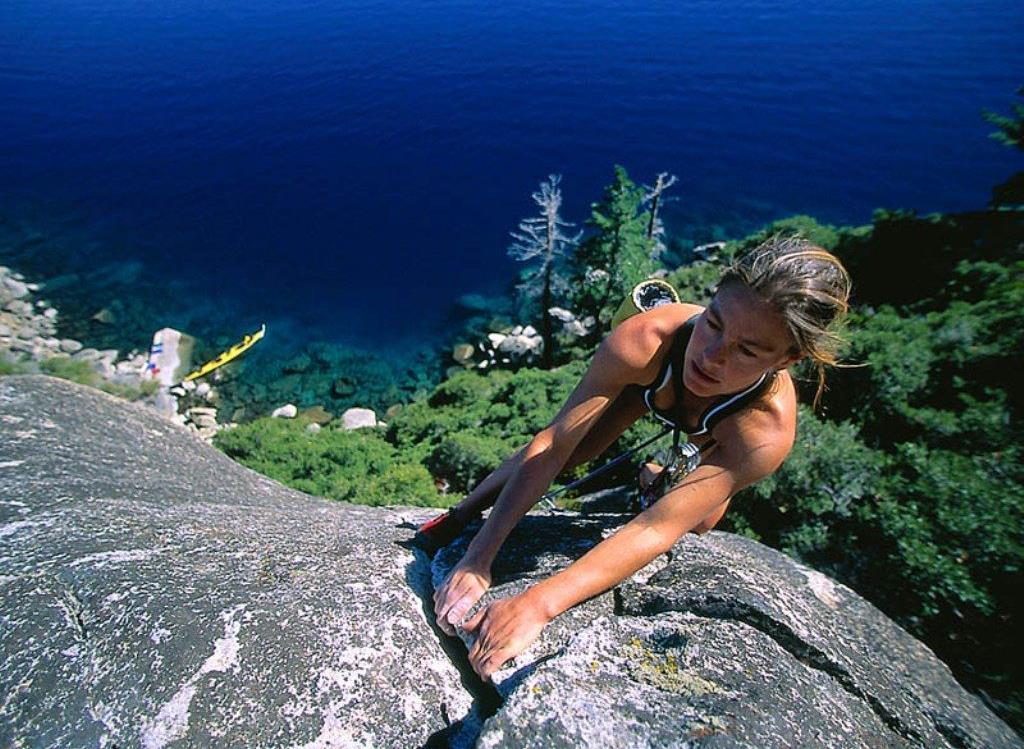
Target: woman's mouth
702,374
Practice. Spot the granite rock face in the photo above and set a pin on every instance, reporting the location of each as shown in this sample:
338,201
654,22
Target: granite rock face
542,544
723,642
154,593
732,644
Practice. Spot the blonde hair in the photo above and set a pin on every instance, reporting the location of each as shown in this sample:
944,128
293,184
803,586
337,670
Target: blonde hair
808,286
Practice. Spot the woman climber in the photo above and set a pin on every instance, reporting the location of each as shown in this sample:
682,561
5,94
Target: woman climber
718,374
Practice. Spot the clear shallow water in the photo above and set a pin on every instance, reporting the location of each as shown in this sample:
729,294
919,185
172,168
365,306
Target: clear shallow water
352,167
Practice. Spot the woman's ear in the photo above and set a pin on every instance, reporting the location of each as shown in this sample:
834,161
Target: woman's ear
790,359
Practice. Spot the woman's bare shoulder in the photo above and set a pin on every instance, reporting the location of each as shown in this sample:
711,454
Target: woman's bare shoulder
671,316
640,341
760,437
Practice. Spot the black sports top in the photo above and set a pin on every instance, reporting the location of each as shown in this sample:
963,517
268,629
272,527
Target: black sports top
726,405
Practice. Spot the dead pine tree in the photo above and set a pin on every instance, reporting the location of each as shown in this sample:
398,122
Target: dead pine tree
542,239
654,196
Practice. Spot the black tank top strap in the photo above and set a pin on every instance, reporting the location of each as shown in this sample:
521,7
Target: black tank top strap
724,407
731,404
673,357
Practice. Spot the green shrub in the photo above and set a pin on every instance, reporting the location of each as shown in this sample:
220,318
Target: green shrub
466,389
465,458
11,366
334,463
804,508
403,484
823,235
75,370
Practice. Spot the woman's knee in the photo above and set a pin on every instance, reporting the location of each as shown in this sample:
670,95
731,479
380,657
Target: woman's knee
649,472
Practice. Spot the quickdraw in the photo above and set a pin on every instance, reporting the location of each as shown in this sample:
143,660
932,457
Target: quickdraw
684,457
683,460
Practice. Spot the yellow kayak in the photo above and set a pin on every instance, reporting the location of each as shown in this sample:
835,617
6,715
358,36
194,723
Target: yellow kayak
232,353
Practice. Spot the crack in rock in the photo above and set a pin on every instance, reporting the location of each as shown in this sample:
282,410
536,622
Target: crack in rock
463,732
74,610
730,609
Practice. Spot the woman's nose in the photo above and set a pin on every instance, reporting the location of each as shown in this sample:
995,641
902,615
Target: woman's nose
714,353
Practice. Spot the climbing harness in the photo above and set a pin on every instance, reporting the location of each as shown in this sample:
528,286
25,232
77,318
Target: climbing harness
684,457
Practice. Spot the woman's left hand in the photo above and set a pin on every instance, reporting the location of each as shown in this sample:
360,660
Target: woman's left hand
504,629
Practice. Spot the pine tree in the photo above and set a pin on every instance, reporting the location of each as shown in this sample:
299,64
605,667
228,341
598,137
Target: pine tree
1009,194
542,238
656,197
617,256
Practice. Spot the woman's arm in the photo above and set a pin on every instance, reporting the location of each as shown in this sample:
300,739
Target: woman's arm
638,542
621,359
508,626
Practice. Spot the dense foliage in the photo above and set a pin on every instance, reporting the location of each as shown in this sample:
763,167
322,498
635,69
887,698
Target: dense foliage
616,256
430,453
907,484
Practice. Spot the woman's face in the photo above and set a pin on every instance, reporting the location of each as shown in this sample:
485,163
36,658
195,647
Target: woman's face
735,340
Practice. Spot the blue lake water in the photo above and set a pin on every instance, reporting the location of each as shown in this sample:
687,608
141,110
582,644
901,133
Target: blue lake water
352,167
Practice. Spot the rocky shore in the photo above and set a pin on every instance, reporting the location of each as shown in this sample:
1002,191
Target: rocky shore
29,343
318,383
28,328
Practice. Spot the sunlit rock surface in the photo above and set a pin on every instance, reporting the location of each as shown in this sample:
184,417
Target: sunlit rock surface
733,644
723,642
154,593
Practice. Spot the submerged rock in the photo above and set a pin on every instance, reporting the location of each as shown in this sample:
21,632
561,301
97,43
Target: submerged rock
316,415
105,316
463,352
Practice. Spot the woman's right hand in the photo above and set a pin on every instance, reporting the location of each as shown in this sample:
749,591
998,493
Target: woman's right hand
463,587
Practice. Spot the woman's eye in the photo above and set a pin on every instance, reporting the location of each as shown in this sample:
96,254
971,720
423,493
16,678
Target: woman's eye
712,324
748,352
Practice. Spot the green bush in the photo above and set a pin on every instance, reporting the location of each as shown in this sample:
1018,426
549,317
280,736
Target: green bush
402,484
823,235
334,463
75,370
461,432
806,506
11,366
697,281
465,458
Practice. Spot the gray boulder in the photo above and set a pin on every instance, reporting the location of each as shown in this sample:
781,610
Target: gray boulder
723,642
155,593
